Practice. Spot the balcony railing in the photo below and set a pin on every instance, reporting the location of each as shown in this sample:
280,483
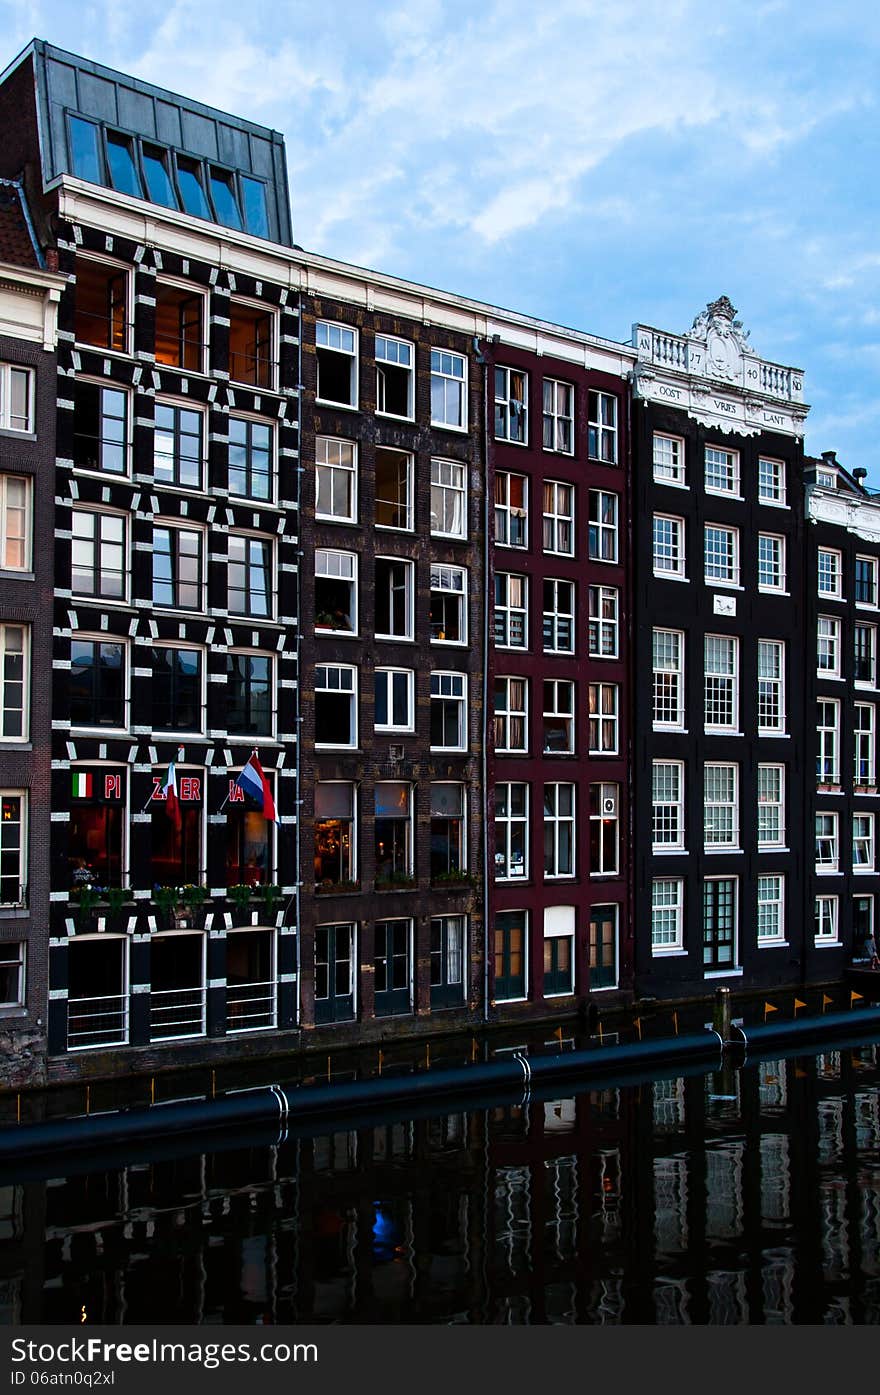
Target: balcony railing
177,1012
250,1006
99,1021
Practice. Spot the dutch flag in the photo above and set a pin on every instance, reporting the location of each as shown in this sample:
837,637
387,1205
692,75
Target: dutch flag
254,783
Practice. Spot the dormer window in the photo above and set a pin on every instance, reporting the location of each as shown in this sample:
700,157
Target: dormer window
123,171
827,479
189,182
223,194
159,186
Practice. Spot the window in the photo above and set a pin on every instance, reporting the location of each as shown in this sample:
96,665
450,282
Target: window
101,315
177,446
602,427
448,388
771,807
511,716
668,679
448,499
251,335
251,982
13,848
98,561
830,574
511,509
336,354
771,909
335,591
826,920
510,956
223,196
177,986
559,518
120,161
249,840
448,613
15,677
668,805
864,731
558,416
559,831
97,827
721,555
511,832
394,488
604,621
719,923
335,833
602,531
669,554
448,711
865,654
863,843
335,705
828,647
12,958
668,459
159,187
827,843
771,562
771,687
771,481
667,914
251,459
177,689
249,694
448,843
15,523
604,830
334,973
392,967
602,703
865,588
722,471
721,682
97,991
180,336
16,398
177,851
862,920
393,709
394,598
392,831
558,617
100,428
97,689
511,611
721,806
559,923
249,576
447,960
828,746
178,568
192,193
602,947
558,717
511,405
395,361
335,479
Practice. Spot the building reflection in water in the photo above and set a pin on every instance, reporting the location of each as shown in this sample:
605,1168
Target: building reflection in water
739,1197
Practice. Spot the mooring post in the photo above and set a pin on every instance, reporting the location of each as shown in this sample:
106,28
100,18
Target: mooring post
721,1013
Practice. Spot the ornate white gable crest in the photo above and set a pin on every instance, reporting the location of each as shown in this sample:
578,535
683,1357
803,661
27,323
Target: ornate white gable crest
723,338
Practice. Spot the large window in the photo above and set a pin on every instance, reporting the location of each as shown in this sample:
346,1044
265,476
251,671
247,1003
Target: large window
251,458
827,842
604,621
511,832
558,717
97,991
558,617
771,806
602,526
559,518
771,562
180,334
511,509
394,488
826,920
602,947
828,647
771,687
721,805
334,973
602,427
15,523
511,611
667,914
559,922
250,980
335,705
864,843
511,716
558,416
392,967
177,689
249,838
335,479
668,679
15,678
669,467
604,830
394,598
448,390
392,832
719,923
559,831
100,428
249,576
97,826
335,833
864,752
510,955
395,376
511,405
449,711
830,573
771,481
13,848
249,694
865,587
448,958
603,710
448,843
721,682
394,708
336,354
828,741
101,316
771,909
865,654
669,549
177,843
178,567
668,805
177,986
178,447
16,398
12,980
98,561
335,591
722,471
448,499
251,347
448,605
721,555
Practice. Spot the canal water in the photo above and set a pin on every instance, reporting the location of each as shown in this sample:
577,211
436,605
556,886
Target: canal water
742,1196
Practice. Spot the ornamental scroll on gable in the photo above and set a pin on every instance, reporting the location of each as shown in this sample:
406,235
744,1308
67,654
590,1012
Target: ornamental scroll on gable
723,340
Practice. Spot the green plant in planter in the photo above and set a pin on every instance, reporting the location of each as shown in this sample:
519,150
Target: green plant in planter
454,877
86,898
395,880
117,896
193,896
271,895
239,895
166,897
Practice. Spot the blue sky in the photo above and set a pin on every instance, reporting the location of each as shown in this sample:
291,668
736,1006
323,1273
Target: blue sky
591,163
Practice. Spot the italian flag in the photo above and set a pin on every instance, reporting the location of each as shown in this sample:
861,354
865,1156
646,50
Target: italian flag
169,790
82,785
